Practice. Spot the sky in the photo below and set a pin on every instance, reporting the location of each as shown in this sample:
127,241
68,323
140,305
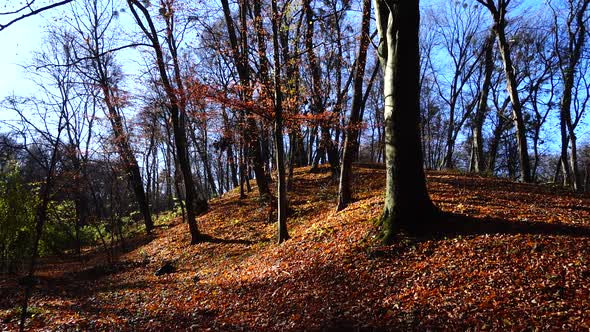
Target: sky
18,42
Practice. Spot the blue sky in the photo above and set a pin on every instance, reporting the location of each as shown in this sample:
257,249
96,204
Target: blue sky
18,42
23,38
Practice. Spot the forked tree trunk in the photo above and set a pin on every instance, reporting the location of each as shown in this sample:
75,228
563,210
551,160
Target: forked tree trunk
251,134
478,158
176,107
499,16
102,77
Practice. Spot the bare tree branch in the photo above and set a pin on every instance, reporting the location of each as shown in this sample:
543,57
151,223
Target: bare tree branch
31,13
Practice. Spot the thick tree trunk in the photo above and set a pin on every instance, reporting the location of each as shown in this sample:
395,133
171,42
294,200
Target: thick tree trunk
407,203
193,206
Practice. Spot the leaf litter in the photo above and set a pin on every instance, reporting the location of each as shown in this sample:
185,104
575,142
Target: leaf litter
519,261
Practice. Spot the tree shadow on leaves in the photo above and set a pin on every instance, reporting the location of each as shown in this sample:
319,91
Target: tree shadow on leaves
205,238
453,225
503,186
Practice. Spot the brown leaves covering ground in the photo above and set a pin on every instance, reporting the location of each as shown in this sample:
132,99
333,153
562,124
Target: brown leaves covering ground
515,257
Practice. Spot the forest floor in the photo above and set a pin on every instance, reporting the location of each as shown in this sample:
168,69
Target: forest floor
512,256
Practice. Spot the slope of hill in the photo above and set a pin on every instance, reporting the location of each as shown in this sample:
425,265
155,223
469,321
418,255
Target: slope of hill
510,256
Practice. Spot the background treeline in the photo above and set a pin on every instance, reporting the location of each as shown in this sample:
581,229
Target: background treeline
149,106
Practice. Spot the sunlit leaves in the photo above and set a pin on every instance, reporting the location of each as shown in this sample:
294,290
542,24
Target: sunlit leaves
334,274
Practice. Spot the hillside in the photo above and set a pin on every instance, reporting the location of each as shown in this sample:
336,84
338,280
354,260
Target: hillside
511,257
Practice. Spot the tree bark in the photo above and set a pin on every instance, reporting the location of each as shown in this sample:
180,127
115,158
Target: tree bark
576,34
499,16
478,158
317,106
407,203
176,108
283,234
352,131
251,135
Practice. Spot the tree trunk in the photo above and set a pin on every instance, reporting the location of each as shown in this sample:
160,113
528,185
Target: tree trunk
576,38
205,159
352,131
575,175
499,16
176,108
283,234
478,158
40,219
564,145
368,90
448,161
317,105
121,136
169,195
407,203
231,159
525,172
251,136
497,135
